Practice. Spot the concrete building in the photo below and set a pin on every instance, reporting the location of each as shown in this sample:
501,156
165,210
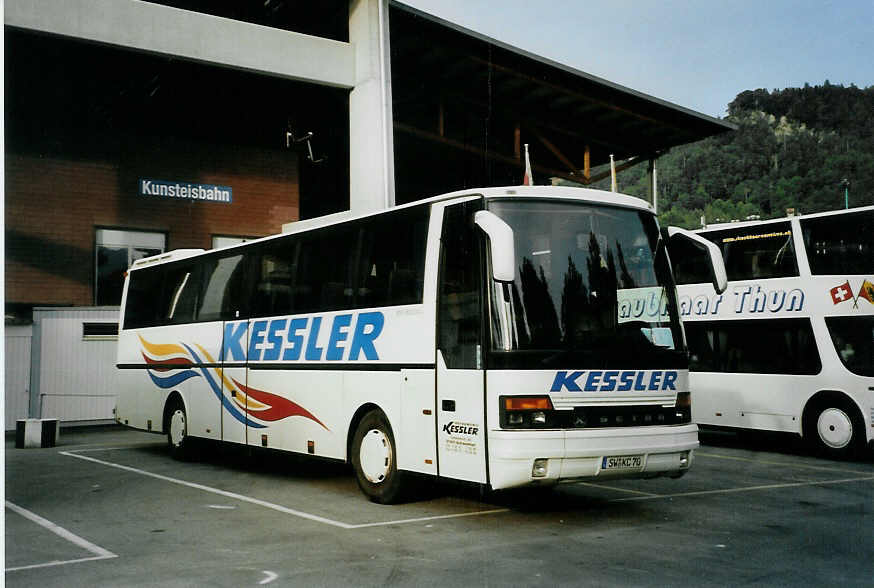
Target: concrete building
136,127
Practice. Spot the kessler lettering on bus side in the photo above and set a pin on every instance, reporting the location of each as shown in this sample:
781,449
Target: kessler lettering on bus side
619,381
747,299
293,339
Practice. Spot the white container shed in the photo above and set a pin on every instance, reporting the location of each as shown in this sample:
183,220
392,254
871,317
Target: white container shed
72,366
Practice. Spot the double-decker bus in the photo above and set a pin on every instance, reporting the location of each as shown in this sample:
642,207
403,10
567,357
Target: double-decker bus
790,345
505,336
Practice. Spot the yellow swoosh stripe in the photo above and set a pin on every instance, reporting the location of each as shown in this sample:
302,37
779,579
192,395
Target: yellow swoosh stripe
162,349
248,402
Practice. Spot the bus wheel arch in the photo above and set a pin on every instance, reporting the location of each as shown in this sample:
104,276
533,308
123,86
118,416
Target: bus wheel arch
833,425
373,453
175,424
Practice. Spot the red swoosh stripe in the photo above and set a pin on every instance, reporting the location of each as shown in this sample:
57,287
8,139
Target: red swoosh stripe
280,407
180,361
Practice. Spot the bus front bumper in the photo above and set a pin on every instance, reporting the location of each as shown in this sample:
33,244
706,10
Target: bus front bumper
519,458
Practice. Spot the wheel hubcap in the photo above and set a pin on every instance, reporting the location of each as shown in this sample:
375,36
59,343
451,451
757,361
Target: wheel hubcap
375,456
177,427
835,428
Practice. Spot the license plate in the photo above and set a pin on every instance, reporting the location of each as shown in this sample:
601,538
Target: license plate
622,462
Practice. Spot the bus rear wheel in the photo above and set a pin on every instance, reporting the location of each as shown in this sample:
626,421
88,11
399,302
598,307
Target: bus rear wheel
834,428
374,459
177,431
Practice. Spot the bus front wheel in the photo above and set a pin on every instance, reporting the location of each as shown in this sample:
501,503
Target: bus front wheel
374,458
834,428
177,431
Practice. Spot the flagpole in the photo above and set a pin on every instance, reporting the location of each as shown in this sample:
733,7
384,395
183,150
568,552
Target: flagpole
612,174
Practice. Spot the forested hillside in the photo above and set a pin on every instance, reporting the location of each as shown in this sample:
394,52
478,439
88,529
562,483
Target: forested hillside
792,149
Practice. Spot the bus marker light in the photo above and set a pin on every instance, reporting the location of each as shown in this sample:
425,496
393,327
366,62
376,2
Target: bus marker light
527,403
539,469
311,447
263,440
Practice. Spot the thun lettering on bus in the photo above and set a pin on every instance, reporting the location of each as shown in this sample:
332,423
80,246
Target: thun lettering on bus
297,338
747,299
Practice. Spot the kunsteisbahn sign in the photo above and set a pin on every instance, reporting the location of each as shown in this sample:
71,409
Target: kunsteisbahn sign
185,190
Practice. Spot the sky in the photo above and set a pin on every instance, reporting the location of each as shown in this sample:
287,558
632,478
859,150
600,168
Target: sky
696,54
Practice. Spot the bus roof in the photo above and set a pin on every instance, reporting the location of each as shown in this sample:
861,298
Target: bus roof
546,192
558,192
755,223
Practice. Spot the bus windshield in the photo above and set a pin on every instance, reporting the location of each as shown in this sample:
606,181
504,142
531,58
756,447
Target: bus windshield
592,289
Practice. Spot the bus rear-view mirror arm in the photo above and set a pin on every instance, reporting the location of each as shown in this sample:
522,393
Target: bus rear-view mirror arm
718,275
501,246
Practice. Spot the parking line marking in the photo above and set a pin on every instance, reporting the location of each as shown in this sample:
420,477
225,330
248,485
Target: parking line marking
431,518
746,489
780,463
617,489
99,552
272,506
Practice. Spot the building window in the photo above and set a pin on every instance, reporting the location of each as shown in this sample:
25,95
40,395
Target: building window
115,251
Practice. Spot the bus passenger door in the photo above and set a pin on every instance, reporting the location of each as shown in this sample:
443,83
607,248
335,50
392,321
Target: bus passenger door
234,372
461,431
224,299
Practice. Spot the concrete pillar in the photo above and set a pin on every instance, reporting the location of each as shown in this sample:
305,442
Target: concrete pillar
371,158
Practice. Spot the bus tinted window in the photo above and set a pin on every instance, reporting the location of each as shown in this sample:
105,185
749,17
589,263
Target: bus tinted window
179,294
778,346
691,265
273,293
223,284
324,280
391,268
841,243
853,338
751,253
459,323
141,309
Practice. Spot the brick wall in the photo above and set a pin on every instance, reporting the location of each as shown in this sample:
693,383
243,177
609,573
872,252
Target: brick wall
55,203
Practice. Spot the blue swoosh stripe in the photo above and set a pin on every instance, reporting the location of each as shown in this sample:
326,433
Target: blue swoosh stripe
218,392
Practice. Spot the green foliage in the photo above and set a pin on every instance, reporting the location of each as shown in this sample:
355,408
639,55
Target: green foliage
792,149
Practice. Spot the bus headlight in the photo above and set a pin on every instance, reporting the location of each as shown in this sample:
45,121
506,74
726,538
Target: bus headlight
526,412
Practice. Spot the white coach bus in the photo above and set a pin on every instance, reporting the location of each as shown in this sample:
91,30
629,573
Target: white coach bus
506,336
790,345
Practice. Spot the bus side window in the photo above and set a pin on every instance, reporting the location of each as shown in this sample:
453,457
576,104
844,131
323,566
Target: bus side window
840,244
142,307
460,320
690,264
223,289
273,276
179,295
757,253
391,265
323,280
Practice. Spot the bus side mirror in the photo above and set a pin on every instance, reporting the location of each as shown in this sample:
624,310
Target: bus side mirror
501,247
719,278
